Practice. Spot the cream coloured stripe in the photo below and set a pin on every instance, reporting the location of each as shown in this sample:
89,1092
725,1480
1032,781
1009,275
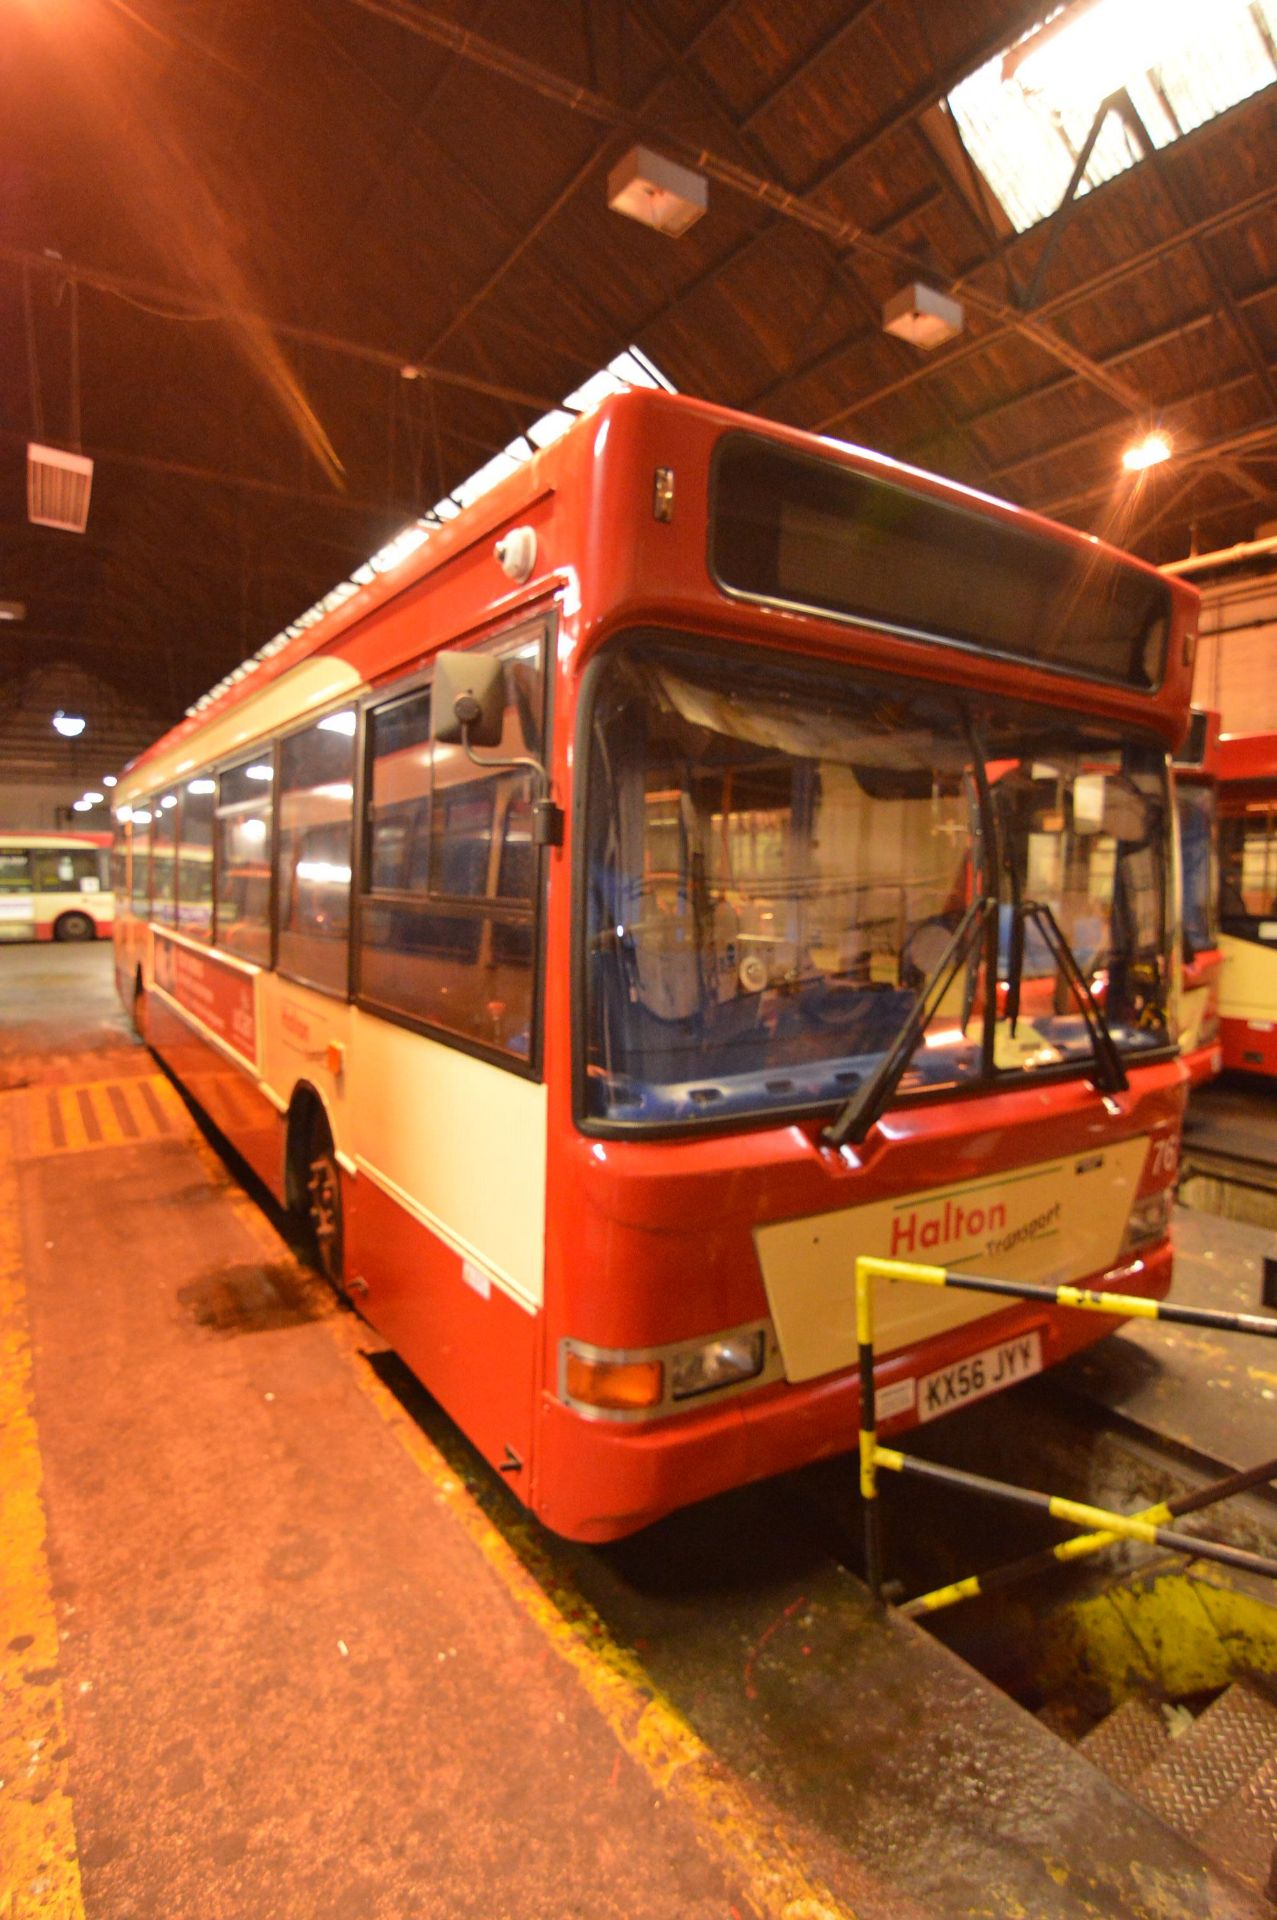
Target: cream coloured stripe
461,1246
746,1840
39,1867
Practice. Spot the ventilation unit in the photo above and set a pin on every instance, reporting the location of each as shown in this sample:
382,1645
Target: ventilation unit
58,486
657,191
922,316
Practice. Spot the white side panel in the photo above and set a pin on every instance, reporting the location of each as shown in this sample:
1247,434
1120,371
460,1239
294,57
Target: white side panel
1192,1009
460,1142
1248,978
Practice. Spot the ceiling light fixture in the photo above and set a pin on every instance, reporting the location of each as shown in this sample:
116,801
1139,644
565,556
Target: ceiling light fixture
656,191
12,610
69,725
1148,452
922,316
81,806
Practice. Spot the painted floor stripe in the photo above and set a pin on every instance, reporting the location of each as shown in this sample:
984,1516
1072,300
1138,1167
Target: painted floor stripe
101,1113
745,1843
39,1867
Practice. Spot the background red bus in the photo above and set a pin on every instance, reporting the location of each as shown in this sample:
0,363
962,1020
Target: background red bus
55,886
1247,765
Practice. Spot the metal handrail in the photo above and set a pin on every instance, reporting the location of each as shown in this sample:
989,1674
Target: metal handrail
1146,1527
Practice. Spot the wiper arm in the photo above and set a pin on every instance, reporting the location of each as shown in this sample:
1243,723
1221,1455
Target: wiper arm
868,1101
1110,1073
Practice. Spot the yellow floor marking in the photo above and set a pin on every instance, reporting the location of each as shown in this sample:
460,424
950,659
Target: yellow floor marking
99,1113
651,1730
39,1868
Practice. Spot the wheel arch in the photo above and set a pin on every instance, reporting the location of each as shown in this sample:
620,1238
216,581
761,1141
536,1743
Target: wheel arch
80,916
307,1113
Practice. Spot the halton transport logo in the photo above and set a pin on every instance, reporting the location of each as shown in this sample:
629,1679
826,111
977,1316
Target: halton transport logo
982,1227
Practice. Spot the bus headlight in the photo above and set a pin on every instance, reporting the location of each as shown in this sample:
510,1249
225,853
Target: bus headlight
642,1383
718,1363
1150,1219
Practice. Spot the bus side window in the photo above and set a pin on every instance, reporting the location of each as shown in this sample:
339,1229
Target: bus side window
15,871
316,810
195,859
59,870
140,833
164,860
242,857
448,917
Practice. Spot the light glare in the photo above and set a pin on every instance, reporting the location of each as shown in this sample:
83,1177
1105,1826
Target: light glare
1148,452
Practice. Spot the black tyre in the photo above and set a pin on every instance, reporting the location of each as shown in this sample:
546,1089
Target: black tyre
323,1208
74,926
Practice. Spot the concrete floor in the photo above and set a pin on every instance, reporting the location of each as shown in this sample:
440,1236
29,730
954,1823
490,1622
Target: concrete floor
274,1643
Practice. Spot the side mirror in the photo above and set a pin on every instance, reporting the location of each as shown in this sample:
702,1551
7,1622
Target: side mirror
468,694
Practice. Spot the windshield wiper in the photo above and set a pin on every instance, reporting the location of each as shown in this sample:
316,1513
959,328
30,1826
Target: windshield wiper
1110,1074
868,1101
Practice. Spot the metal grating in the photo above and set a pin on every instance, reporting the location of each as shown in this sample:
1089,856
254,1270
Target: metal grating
1207,1766
1128,1741
1244,1833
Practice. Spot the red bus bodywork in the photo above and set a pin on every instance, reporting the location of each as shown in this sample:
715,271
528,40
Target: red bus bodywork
647,1241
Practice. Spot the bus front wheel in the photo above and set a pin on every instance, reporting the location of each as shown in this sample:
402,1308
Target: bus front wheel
323,1207
74,926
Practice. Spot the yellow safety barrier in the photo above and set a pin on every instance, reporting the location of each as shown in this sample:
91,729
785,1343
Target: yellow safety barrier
1103,1527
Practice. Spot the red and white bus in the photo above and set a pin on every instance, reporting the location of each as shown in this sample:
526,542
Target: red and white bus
55,886
793,878
1247,765
1196,783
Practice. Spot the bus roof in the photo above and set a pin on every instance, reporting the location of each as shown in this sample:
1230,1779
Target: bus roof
423,549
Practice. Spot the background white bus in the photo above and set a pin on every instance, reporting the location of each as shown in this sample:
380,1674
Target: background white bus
55,886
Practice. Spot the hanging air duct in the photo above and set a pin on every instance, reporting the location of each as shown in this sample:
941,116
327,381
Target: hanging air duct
58,486
922,316
649,187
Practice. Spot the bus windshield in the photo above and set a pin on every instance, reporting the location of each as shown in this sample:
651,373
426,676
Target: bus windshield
782,853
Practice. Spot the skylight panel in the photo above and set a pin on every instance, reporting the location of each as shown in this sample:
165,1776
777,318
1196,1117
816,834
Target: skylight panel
1026,114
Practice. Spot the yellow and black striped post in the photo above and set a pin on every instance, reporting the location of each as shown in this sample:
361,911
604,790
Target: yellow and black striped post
868,1430
1080,1545
1126,1306
1102,1527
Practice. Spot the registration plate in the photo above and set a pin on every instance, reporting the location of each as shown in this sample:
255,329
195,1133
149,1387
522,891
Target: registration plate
983,1373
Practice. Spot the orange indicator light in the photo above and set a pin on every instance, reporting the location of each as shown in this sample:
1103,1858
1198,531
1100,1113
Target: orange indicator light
620,1385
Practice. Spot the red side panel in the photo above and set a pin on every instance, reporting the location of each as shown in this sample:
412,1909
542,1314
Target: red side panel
475,1345
1250,1046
